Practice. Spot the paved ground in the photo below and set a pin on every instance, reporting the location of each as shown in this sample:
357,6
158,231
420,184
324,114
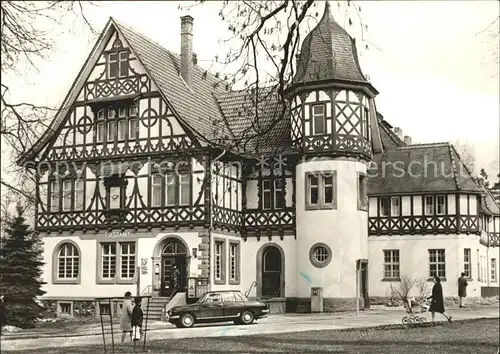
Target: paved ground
478,336
273,324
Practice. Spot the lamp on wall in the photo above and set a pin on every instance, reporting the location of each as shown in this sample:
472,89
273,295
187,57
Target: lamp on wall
157,268
195,253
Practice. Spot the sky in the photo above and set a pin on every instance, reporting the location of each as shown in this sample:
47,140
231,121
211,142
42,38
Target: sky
431,62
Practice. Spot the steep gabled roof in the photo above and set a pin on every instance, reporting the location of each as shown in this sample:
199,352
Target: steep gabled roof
196,105
260,129
403,170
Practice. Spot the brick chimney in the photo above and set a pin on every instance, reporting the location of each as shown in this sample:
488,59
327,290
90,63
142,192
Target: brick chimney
187,49
407,140
399,132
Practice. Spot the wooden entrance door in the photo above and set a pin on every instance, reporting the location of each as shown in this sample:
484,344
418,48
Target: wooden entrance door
364,285
174,253
271,272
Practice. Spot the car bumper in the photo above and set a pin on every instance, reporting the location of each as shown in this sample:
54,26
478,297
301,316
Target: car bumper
264,314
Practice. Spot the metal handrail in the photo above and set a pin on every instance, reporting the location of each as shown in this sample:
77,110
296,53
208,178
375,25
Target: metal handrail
250,288
146,289
278,292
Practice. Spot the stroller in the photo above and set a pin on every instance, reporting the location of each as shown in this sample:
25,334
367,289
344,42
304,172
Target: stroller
414,318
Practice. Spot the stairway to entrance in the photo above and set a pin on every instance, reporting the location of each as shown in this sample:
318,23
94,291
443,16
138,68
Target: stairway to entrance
156,308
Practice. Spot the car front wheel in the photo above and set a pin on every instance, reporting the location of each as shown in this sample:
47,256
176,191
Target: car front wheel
247,317
187,320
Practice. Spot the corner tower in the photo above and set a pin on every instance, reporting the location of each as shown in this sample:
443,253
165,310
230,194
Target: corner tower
334,127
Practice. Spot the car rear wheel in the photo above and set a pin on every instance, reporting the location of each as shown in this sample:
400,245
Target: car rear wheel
187,320
247,317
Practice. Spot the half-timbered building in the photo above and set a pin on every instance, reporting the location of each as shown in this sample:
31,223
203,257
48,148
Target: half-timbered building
134,177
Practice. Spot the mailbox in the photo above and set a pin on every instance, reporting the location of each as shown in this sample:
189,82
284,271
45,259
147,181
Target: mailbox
316,299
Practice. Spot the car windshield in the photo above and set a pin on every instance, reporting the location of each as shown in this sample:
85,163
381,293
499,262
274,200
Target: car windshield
239,297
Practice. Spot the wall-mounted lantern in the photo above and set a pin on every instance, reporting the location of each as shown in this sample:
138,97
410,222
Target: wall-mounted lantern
195,253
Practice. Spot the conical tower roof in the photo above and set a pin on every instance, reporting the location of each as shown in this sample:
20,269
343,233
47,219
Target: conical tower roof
328,53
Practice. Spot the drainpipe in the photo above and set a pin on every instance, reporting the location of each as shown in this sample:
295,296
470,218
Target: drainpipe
211,224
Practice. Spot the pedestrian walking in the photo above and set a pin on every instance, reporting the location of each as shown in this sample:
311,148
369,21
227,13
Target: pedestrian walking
136,319
126,318
437,303
462,290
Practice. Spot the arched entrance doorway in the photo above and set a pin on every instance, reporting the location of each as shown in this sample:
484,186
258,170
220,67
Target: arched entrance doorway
174,253
270,271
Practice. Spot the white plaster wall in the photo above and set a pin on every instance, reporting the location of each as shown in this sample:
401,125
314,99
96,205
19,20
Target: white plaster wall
88,264
249,250
344,230
414,260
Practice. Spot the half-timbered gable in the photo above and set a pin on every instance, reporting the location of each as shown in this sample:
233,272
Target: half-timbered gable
269,208
421,189
227,193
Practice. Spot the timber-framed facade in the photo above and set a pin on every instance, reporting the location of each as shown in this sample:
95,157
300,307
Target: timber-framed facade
129,181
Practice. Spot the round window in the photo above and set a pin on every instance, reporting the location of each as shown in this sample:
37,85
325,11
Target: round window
320,255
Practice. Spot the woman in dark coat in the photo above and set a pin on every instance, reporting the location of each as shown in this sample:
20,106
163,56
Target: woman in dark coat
437,303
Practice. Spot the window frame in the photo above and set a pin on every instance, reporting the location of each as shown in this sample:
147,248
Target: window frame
55,263
312,255
395,265
432,205
128,256
67,196
468,263
493,270
279,197
388,200
110,61
362,192
237,262
395,212
79,193
133,126
117,279
443,204
320,176
267,191
122,129
183,185
55,197
100,133
60,304
437,262
314,116
170,183
219,260
157,177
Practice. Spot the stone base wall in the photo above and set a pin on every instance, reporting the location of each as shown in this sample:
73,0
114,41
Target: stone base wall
78,309
50,308
303,305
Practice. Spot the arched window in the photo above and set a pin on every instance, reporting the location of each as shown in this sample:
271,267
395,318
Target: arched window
68,262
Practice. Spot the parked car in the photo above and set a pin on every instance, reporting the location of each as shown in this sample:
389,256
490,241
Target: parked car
218,306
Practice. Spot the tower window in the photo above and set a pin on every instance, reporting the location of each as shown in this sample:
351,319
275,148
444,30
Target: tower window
318,119
321,190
